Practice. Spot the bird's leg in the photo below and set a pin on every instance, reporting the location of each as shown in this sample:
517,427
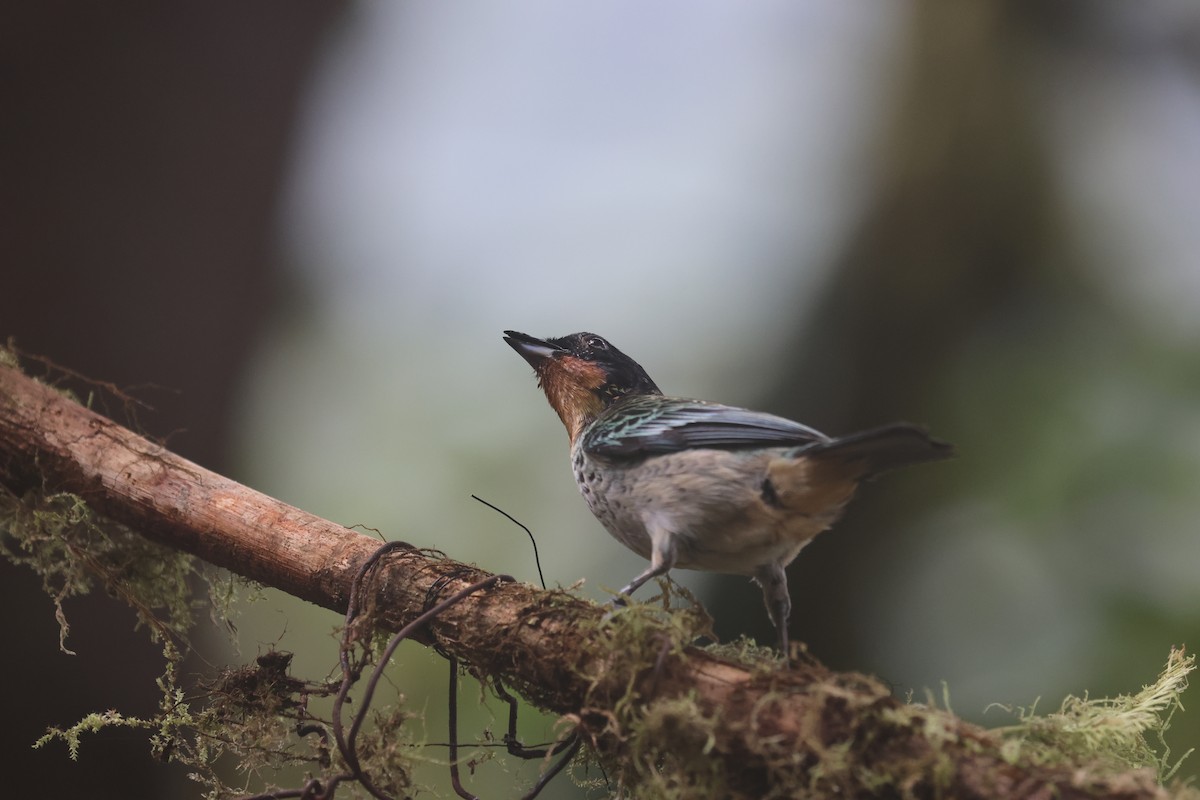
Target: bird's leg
653,571
773,580
662,559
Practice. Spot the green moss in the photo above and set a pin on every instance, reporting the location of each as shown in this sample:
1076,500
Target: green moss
8,355
92,723
247,716
1111,734
74,550
747,653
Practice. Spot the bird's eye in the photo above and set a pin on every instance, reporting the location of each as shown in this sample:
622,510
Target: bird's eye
596,343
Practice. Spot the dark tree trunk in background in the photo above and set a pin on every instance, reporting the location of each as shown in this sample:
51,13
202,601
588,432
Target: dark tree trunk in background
961,231
142,151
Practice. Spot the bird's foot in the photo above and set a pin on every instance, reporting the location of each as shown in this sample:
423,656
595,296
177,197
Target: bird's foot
614,605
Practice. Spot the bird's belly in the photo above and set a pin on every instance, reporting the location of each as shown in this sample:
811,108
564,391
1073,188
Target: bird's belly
713,502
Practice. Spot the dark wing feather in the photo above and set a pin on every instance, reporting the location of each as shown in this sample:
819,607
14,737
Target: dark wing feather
651,425
881,449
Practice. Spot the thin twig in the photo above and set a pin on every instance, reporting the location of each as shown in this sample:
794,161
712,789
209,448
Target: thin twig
570,742
348,744
536,560
455,780
576,740
349,672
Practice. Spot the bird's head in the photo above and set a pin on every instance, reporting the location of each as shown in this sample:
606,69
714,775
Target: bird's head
582,374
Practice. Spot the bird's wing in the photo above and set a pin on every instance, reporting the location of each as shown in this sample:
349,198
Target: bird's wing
650,425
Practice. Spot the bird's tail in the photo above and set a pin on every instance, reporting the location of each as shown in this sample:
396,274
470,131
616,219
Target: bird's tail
868,453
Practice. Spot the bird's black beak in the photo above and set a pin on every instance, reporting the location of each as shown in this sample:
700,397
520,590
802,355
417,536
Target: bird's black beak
532,349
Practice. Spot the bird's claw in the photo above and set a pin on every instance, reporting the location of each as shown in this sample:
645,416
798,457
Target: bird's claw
615,604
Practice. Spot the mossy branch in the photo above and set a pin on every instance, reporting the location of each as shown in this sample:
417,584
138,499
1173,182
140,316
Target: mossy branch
663,715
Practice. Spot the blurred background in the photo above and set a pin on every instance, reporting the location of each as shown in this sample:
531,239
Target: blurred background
300,229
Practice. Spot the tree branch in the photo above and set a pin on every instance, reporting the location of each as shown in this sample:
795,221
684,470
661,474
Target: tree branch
755,730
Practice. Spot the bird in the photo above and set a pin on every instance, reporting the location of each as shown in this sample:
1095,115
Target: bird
700,485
